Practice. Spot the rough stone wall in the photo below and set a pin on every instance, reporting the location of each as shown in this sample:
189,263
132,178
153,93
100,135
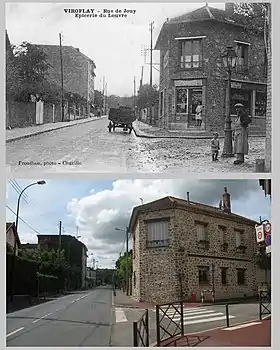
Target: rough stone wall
159,268
218,37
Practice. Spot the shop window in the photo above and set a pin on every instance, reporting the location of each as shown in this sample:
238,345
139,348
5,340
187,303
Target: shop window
203,274
241,278
242,55
181,100
224,275
190,52
260,105
240,96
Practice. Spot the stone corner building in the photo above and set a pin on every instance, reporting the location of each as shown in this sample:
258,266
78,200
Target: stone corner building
182,247
192,71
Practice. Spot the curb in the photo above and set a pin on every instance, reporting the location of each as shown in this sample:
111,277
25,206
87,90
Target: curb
47,130
137,134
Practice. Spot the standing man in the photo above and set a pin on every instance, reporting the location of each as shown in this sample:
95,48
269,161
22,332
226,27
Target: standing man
198,113
241,145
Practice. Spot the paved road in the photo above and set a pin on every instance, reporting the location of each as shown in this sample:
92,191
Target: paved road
99,151
90,144
80,319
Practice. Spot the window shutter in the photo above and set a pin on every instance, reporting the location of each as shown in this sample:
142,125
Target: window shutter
201,233
238,238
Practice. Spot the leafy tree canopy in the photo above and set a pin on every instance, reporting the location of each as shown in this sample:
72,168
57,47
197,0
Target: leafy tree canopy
147,96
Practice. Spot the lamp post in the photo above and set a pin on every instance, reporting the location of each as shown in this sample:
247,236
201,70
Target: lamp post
126,265
41,182
229,60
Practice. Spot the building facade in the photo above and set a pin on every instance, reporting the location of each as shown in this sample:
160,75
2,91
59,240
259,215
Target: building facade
182,247
192,71
12,238
90,277
75,253
78,71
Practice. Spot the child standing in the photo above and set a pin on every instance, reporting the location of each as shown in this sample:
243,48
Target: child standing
215,147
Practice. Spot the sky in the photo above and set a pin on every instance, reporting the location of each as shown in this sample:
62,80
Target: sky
97,207
114,44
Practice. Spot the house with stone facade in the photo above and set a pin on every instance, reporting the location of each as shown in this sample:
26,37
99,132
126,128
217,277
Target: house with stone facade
181,248
192,71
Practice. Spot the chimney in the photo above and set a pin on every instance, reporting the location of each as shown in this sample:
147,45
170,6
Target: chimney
188,197
229,8
226,202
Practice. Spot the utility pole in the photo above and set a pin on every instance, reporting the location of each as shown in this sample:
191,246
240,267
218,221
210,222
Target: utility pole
59,238
126,269
104,95
134,93
62,87
141,80
151,54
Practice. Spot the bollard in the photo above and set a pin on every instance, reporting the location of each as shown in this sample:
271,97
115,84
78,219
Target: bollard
227,316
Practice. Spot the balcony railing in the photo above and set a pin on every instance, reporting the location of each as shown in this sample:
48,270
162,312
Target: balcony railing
158,243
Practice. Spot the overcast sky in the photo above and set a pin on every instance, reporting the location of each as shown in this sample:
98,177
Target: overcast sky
113,43
98,207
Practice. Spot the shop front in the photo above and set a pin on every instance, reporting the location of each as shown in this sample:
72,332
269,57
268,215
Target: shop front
252,95
187,95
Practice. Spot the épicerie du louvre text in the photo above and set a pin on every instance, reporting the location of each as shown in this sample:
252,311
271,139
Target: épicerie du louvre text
117,13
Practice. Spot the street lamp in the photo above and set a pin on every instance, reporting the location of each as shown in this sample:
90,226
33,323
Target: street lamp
126,265
229,60
41,182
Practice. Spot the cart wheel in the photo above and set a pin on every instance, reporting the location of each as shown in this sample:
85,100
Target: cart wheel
114,127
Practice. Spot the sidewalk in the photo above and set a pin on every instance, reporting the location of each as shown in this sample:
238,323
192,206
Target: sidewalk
256,334
147,131
21,133
123,300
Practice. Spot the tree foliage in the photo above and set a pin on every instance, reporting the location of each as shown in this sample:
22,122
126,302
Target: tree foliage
147,96
98,98
121,264
263,259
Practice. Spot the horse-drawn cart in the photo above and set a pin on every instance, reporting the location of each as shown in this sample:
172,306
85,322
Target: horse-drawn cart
121,117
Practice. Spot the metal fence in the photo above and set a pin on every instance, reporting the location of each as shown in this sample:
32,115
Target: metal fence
265,303
141,331
169,321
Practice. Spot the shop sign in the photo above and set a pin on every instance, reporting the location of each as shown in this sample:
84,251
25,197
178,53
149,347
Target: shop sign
235,85
188,82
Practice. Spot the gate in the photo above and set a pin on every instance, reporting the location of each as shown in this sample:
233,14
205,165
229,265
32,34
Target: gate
265,303
141,331
169,322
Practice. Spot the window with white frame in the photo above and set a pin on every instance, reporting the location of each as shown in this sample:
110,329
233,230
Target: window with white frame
190,52
157,234
239,238
201,230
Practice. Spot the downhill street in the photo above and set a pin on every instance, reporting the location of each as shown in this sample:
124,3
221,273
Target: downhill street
79,319
99,151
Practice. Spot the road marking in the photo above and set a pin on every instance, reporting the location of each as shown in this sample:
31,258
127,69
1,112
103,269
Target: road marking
39,319
198,315
14,332
213,319
58,309
241,326
120,315
188,312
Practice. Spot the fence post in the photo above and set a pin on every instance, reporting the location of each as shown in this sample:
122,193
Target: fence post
260,305
135,340
157,325
182,318
147,328
227,315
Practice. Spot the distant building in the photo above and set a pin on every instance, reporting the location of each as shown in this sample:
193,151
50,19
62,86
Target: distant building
90,277
12,238
75,254
78,70
192,70
182,248
29,246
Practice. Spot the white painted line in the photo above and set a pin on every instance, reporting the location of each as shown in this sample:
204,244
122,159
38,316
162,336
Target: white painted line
58,309
205,313
14,332
39,319
241,326
120,315
200,316
208,320
187,312
171,311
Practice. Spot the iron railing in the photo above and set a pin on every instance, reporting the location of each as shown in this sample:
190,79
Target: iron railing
141,331
169,326
265,303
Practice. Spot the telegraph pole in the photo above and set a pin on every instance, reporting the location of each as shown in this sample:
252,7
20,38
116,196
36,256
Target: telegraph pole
62,87
59,238
126,269
151,54
104,95
134,93
141,80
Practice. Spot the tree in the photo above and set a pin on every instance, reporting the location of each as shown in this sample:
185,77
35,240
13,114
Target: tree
32,70
121,264
98,99
147,96
264,260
